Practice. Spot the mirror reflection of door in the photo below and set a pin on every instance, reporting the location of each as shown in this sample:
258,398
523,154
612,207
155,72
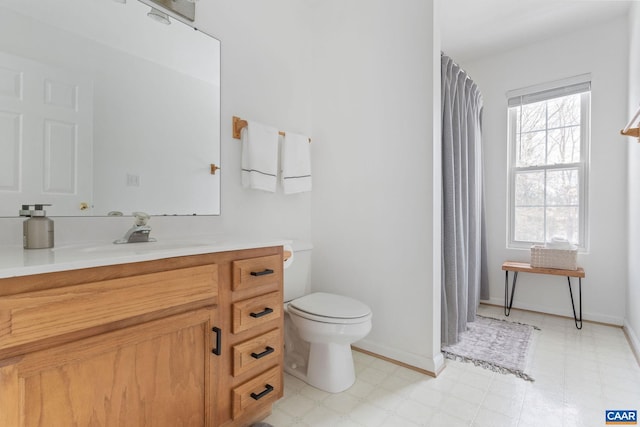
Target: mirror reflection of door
46,128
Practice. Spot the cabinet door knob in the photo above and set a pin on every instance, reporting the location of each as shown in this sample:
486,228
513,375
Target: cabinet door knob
264,312
268,350
268,388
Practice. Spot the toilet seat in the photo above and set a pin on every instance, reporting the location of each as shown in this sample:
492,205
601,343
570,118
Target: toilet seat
330,308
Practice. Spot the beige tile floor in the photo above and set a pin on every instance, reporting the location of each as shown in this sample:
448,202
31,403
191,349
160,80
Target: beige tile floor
578,374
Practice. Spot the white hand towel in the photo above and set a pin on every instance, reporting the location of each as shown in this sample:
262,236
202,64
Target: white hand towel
558,242
296,163
259,157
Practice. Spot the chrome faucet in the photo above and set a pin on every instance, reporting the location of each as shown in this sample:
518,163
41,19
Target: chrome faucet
140,230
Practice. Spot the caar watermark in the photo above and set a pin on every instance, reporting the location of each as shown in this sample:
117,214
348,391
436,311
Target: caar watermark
621,416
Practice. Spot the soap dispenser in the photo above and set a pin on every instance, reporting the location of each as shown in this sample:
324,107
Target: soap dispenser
38,229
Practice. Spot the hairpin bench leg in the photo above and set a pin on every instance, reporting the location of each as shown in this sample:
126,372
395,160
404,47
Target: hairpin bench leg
578,320
507,308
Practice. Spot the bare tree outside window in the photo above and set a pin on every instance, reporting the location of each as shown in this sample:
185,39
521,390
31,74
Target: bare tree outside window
548,167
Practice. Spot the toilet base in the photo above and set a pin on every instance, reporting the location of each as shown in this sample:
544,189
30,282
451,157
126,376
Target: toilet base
330,370
330,367
319,353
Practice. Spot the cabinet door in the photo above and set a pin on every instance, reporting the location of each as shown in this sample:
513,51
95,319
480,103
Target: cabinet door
154,374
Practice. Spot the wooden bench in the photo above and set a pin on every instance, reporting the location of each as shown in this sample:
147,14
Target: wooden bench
525,267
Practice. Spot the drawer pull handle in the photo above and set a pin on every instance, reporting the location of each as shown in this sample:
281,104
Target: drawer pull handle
217,351
267,350
262,273
262,313
268,388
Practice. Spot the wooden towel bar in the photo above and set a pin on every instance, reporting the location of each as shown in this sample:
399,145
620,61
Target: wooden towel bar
239,124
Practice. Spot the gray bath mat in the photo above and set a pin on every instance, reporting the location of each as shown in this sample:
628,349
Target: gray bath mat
495,344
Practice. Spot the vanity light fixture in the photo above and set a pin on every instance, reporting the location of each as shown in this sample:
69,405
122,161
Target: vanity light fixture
182,10
158,16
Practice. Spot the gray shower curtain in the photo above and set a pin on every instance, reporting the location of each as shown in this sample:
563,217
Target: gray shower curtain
462,208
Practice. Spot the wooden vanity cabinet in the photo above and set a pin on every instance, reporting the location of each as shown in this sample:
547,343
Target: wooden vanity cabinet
137,344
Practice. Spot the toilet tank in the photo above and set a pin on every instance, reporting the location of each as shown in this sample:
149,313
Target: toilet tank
297,276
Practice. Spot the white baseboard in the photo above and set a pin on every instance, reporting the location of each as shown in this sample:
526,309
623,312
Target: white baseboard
594,317
632,336
433,365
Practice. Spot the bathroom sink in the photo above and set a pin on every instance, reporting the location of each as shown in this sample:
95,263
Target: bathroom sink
146,246
132,248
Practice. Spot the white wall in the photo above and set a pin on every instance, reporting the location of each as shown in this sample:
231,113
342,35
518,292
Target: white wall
599,50
632,319
266,77
376,80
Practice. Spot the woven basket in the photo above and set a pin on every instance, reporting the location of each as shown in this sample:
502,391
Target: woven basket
564,259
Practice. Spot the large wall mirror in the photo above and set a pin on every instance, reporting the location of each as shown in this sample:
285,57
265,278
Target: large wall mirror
103,110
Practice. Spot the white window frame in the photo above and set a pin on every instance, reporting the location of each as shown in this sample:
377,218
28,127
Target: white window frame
538,93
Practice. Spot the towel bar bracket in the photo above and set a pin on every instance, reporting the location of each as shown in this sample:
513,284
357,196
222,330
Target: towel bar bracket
238,125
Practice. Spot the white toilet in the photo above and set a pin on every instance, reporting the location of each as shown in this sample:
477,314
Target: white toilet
320,328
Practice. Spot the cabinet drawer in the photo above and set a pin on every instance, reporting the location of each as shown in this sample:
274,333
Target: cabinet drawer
262,390
256,311
33,316
263,350
252,272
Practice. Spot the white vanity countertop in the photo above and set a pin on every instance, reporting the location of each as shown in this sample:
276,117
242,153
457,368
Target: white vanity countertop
16,261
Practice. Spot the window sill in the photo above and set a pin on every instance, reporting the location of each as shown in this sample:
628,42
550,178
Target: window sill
527,247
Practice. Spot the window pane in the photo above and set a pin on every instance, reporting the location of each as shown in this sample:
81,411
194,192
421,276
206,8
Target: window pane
562,187
534,116
564,145
548,146
529,224
531,149
564,111
563,222
529,189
